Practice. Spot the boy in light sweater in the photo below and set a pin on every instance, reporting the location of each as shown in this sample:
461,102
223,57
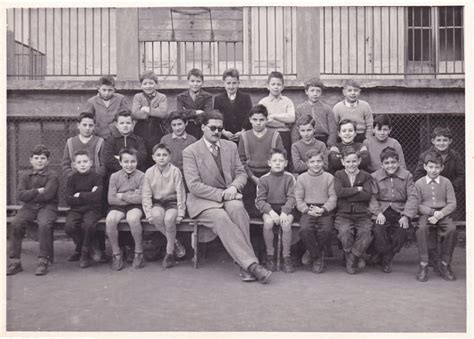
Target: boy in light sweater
163,199
276,200
316,207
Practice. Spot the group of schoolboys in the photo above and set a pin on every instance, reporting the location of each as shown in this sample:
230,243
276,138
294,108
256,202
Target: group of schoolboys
332,152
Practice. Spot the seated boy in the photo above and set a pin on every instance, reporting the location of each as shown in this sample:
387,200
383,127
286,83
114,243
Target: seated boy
164,200
436,202
254,147
38,191
347,133
276,200
380,140
305,127
234,106
84,191
177,140
394,204
316,207
281,110
325,127
124,138
105,106
353,189
358,111
125,199
194,102
84,141
149,110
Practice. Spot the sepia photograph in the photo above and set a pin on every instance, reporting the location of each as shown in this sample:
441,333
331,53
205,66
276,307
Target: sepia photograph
282,169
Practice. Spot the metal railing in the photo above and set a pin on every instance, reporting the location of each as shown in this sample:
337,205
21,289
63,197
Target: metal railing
72,42
23,133
392,42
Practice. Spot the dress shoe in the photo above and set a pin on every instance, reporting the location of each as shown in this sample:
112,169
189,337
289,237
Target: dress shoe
318,265
117,262
422,273
446,272
14,268
260,272
42,268
246,276
271,263
287,265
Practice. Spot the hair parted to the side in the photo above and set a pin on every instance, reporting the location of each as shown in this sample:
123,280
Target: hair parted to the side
313,82
197,73
211,115
125,112
85,115
344,122
441,132
382,120
128,150
81,152
277,75
258,109
434,158
40,150
389,152
149,75
277,150
161,146
231,72
107,80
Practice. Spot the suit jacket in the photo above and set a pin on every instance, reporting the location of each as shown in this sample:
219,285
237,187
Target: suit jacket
204,179
236,114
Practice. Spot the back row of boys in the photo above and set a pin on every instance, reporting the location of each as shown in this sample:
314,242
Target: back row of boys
315,124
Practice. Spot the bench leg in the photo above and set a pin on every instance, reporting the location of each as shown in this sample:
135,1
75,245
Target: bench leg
196,245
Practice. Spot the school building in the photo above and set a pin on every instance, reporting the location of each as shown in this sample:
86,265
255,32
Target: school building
409,61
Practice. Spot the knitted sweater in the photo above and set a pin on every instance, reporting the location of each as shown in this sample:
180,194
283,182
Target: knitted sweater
176,146
375,148
281,110
128,184
235,112
83,183
323,116
276,189
298,154
360,114
105,115
435,197
334,158
94,147
307,195
115,142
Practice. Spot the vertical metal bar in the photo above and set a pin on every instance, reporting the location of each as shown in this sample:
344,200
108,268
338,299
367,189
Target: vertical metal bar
348,40
85,43
373,39
235,55
430,42
389,41
462,40
100,40
283,44
340,39
226,55
422,33
77,41
259,44
93,40
332,40
292,28
446,39
152,56
405,38
398,49
108,39
266,36
454,40
69,41
30,51
54,41
436,40
381,40
46,36
275,32
161,57
61,29
249,35
202,58
324,38
145,43
22,34
194,55
365,39
413,36
357,38
169,57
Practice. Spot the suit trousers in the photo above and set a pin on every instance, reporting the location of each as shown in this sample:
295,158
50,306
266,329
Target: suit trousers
26,216
354,232
447,232
231,224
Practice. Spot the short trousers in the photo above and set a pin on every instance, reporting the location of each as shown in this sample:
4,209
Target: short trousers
125,209
166,204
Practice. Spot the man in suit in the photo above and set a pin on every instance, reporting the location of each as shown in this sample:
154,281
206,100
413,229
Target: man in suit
215,176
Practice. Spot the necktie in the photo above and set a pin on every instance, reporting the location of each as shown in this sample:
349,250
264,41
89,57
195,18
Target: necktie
214,150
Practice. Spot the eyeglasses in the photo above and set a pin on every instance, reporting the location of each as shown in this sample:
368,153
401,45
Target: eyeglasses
214,128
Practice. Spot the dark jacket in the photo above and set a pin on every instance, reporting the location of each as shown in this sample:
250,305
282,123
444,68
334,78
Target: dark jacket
186,105
114,143
83,183
349,199
236,113
29,184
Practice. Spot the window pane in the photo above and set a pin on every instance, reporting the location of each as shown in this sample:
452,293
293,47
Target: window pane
419,16
419,44
449,47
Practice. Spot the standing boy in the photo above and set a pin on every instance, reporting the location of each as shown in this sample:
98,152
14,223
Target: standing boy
353,189
178,139
149,110
164,200
125,198
281,110
84,195
316,207
234,106
299,149
254,147
325,127
84,141
354,109
38,190
394,204
194,102
436,202
105,106
276,200
380,140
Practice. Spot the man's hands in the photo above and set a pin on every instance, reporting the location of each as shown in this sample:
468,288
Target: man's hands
229,193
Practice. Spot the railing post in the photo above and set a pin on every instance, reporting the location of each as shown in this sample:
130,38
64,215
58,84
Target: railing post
128,55
307,42
11,53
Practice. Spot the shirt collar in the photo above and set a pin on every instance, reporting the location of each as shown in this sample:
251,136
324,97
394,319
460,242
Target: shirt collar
232,97
42,172
174,136
351,105
272,98
208,144
397,174
168,165
352,175
428,180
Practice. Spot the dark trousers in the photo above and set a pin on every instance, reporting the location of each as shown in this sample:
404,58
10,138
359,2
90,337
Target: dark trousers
286,139
354,232
389,238
80,226
446,231
26,216
249,193
315,232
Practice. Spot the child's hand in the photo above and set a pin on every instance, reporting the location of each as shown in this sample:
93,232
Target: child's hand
145,109
179,219
360,188
76,195
120,196
313,213
317,209
95,188
238,196
285,221
432,220
227,134
41,190
275,217
199,111
404,222
380,219
150,220
438,215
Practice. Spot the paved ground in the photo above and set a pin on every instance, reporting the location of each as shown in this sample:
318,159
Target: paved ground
212,298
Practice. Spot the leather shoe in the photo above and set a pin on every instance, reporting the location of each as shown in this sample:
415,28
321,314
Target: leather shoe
260,272
422,273
318,265
246,276
350,263
446,272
